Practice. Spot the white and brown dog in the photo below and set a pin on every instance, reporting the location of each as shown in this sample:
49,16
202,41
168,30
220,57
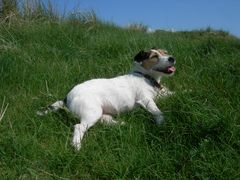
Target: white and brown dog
99,99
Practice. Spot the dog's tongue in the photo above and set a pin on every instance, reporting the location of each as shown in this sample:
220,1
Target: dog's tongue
171,69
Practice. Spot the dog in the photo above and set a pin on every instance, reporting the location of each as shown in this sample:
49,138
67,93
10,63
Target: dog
100,99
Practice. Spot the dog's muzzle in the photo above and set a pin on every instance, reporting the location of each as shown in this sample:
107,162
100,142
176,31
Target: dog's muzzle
169,69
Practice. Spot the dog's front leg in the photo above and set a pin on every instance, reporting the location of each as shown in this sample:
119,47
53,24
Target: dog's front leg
165,92
150,105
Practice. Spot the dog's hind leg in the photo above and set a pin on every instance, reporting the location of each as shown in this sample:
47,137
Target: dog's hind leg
89,117
108,119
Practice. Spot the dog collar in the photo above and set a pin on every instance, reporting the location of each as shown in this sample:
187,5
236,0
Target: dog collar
151,79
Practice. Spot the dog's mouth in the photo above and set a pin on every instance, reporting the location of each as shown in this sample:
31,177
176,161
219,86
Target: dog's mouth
168,70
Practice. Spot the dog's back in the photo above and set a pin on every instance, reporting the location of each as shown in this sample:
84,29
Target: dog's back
114,95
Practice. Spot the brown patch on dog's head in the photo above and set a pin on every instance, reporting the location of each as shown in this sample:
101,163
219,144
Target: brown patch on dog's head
149,58
151,61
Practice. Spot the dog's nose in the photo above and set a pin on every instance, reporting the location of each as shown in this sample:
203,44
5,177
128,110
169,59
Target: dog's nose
171,59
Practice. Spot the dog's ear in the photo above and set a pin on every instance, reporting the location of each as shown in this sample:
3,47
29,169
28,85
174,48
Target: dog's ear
141,56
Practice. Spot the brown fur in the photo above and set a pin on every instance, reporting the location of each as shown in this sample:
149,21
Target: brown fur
153,58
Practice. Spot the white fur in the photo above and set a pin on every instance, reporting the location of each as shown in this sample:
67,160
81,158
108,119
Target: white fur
95,98
101,98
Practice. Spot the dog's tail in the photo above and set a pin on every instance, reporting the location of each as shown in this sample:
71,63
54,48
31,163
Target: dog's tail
61,104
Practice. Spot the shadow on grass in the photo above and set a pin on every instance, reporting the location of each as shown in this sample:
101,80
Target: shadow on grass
66,118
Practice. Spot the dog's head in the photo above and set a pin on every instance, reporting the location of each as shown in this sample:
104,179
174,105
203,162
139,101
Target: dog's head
156,61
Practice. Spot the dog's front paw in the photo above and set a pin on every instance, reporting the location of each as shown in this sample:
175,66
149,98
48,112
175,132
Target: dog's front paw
76,143
159,119
122,123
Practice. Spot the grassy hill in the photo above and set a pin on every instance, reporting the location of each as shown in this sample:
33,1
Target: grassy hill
41,60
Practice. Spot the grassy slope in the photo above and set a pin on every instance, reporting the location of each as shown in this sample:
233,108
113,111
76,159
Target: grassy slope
39,63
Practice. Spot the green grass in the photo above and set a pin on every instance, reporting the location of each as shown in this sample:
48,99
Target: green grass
41,61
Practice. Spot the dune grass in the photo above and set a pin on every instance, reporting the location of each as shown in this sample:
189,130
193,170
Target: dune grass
41,61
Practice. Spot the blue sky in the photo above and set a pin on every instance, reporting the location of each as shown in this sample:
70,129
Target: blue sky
163,14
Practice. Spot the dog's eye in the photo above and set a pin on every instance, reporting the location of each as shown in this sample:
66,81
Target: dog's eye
155,56
155,59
